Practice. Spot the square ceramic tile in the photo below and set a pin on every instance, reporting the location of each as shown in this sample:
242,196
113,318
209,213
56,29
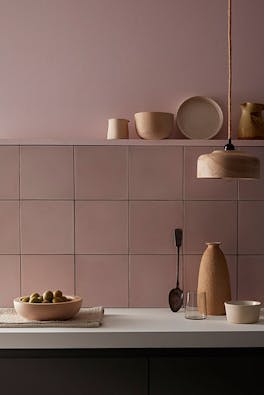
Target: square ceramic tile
46,172
210,221
152,225
9,279
155,173
191,272
9,172
250,228
253,189
204,189
40,273
47,227
101,173
102,280
9,227
101,227
151,279
250,277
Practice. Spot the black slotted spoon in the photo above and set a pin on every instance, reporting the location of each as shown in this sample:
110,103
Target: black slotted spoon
176,294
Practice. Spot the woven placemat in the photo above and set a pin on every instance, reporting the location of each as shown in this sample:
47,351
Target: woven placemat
90,317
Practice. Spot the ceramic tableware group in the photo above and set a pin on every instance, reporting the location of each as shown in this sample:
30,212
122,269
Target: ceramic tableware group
198,117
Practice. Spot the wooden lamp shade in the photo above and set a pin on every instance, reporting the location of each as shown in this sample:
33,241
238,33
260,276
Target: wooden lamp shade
228,163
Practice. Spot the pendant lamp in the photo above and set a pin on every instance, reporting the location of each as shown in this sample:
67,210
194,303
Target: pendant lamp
228,163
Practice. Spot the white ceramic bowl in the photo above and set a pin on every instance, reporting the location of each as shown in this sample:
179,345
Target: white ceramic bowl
48,311
242,311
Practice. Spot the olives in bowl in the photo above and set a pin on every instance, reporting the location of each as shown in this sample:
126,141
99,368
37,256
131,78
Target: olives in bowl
47,297
47,306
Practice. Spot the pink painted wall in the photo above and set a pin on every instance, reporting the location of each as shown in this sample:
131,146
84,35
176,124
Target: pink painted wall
98,221
68,65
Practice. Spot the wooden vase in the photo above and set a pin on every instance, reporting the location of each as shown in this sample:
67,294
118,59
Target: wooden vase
213,279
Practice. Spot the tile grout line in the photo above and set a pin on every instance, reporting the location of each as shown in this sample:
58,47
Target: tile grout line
133,200
136,253
74,213
237,230
19,220
128,226
183,213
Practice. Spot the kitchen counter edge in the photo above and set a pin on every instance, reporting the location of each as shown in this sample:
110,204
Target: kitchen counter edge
152,328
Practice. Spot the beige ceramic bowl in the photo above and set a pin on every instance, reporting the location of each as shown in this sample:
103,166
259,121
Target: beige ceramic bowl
48,311
154,125
242,311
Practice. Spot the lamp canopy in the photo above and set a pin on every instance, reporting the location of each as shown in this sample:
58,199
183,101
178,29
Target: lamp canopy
228,163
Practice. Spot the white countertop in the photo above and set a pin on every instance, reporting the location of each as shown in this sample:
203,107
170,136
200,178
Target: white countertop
140,328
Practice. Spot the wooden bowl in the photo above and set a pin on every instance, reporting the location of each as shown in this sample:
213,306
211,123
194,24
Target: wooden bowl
154,125
242,311
48,311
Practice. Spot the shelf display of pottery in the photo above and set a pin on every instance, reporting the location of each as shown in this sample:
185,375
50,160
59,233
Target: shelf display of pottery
198,117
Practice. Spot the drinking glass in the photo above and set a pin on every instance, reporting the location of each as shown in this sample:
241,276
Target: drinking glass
195,308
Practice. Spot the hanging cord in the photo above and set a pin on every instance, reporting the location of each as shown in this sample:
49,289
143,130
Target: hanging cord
229,69
229,146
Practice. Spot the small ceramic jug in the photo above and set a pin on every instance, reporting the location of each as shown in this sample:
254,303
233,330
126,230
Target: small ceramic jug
251,124
117,128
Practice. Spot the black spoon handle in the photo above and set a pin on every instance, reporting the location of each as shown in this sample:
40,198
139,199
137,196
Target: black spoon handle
178,237
178,241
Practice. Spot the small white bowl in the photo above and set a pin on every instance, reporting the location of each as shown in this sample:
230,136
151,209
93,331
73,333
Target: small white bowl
242,311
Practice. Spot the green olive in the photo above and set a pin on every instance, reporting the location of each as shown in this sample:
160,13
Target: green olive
56,300
57,293
46,301
63,299
40,298
34,294
24,299
48,295
35,299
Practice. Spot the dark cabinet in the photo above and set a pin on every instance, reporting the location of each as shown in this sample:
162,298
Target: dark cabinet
132,372
206,374
73,376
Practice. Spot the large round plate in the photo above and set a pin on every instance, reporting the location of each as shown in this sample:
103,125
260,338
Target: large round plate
199,117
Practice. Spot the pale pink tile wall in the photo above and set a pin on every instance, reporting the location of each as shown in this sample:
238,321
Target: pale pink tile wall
99,220
69,65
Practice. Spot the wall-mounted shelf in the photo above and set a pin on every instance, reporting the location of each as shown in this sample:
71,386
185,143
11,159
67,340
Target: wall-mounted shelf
129,142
